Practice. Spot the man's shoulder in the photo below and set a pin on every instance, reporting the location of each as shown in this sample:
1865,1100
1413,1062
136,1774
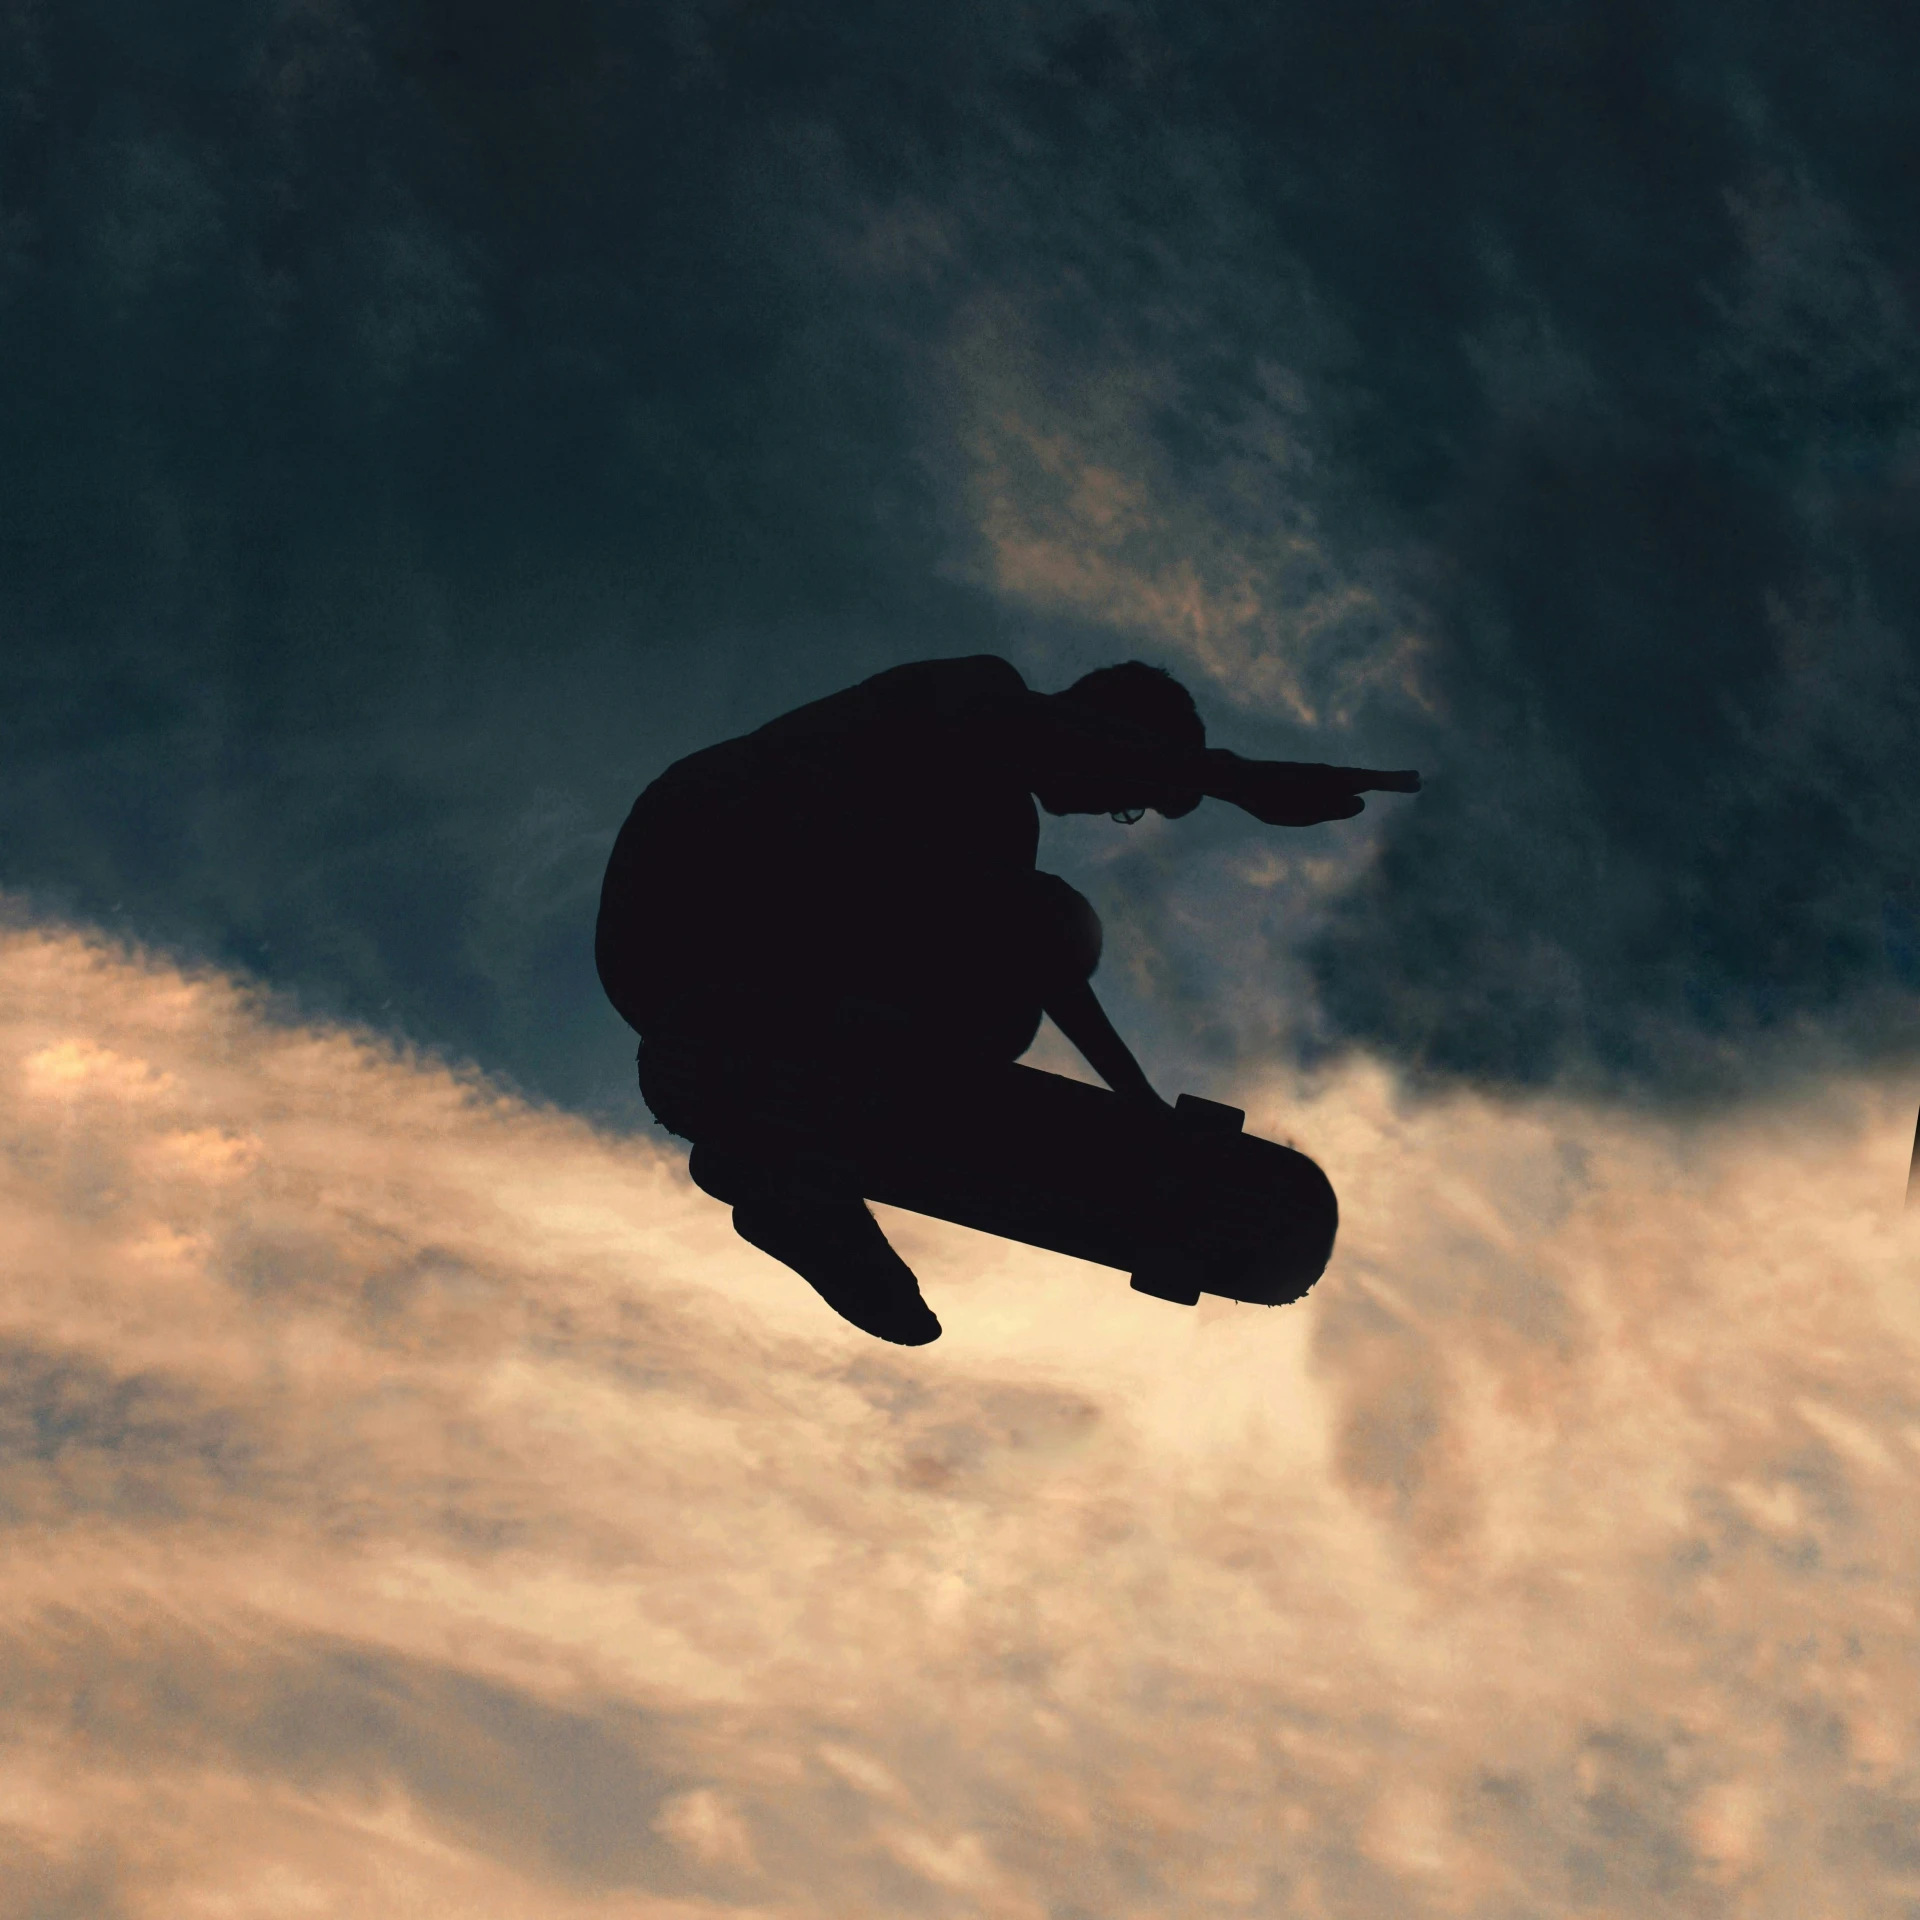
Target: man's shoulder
908,705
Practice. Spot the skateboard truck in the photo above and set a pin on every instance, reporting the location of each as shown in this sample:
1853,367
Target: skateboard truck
1171,1281
1170,1276
1192,1111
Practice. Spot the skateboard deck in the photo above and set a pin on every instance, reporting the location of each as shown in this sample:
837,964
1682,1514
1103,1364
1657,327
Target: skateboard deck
1185,1201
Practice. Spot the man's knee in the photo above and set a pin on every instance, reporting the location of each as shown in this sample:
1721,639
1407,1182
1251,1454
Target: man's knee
1064,930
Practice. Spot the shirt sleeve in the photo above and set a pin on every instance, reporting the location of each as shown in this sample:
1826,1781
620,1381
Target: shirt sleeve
1025,737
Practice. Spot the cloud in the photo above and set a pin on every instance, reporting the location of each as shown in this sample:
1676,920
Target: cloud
416,1497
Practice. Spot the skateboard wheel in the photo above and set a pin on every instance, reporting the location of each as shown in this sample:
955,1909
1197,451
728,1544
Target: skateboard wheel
1210,1114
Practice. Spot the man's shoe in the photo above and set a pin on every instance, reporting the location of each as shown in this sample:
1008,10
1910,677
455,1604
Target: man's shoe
835,1244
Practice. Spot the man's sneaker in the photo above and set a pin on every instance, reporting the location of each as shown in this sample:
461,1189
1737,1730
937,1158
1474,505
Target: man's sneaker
835,1244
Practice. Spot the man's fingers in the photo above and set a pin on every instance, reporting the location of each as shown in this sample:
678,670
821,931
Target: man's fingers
1378,780
1295,794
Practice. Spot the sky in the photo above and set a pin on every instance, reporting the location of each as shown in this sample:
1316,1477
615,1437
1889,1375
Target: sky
424,422
427,421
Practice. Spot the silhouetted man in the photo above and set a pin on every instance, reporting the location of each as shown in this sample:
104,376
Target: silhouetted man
853,884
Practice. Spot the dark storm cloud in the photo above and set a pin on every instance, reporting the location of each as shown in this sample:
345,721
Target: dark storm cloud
413,440
1671,823
1627,363
424,421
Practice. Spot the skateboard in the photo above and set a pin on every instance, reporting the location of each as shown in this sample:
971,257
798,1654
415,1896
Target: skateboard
1185,1201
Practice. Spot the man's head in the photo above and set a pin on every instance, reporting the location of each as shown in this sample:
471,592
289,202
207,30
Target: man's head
1140,699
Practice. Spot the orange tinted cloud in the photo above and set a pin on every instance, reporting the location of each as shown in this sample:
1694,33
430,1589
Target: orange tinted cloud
1068,503
418,1502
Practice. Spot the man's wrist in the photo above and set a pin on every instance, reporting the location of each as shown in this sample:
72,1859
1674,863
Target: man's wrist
1221,772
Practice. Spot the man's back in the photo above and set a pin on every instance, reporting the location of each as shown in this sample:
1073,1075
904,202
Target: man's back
920,763
875,808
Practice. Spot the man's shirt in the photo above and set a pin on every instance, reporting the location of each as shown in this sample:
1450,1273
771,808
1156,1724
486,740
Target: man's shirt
915,780
855,826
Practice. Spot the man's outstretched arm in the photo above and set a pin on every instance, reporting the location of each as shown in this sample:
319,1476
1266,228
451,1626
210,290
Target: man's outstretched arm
1080,762
1080,1016
1296,793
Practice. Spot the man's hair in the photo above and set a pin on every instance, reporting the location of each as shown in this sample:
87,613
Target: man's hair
1142,696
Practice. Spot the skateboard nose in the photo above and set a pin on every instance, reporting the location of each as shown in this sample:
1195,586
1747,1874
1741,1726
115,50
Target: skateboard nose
1273,1279
1268,1243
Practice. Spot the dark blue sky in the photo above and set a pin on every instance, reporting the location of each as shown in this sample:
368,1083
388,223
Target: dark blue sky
423,421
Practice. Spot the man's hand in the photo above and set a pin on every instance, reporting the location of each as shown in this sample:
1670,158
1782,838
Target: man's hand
1294,793
1080,1016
